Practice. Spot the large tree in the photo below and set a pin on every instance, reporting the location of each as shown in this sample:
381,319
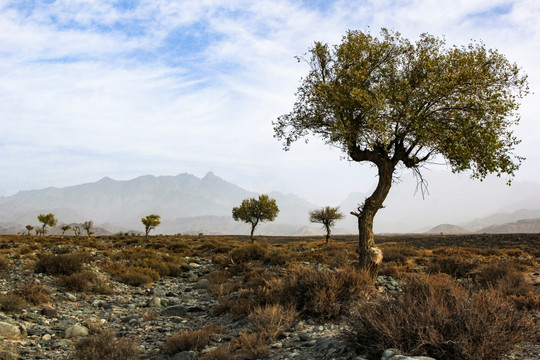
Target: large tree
393,103
254,211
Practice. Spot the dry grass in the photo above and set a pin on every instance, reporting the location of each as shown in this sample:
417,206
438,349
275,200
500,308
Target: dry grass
272,320
33,293
62,264
252,346
105,346
12,303
189,339
438,317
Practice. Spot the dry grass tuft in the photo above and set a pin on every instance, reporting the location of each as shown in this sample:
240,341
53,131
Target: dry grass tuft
63,264
438,317
252,345
33,293
272,320
12,303
189,339
105,346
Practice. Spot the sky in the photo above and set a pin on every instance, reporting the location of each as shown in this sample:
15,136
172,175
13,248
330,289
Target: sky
90,89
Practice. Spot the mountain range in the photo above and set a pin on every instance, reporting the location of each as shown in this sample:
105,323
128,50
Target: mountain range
188,204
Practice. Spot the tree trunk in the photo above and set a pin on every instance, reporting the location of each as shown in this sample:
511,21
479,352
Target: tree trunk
370,257
252,231
328,230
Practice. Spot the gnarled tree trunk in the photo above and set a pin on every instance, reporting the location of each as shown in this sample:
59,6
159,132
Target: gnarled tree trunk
370,257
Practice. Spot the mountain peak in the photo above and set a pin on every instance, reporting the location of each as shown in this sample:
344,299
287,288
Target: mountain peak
209,175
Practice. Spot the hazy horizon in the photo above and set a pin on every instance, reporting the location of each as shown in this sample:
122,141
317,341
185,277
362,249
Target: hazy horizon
129,88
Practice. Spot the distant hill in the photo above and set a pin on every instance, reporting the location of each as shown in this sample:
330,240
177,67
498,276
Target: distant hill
185,202
448,229
501,218
521,226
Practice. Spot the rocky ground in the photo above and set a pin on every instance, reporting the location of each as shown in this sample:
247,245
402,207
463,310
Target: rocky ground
151,313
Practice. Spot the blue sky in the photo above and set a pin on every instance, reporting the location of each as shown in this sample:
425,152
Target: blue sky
125,88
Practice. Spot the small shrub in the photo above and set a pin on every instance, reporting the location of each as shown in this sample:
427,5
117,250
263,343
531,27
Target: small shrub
63,264
138,276
319,292
12,303
9,351
253,345
80,281
457,266
105,346
248,253
436,316
222,352
272,320
276,257
189,339
33,293
4,263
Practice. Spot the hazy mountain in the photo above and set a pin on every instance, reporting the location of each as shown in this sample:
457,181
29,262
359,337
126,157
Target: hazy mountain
448,229
185,202
501,218
521,226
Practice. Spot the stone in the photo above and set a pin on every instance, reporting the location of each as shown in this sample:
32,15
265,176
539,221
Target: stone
49,312
175,310
155,302
184,355
71,297
201,284
76,331
9,331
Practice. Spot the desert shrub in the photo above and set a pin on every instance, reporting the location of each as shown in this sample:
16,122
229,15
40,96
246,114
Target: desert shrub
8,351
220,283
436,316
252,345
398,254
105,346
276,257
80,281
137,276
248,253
33,293
457,266
63,264
272,320
101,286
322,293
12,303
509,278
221,352
189,339
4,263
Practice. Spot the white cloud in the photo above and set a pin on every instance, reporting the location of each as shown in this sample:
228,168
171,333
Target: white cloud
95,90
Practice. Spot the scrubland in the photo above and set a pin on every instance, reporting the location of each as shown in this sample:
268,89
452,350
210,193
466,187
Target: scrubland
447,297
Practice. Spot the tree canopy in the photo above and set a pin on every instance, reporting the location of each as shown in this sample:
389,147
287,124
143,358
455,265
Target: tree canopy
327,216
46,220
150,222
393,103
253,211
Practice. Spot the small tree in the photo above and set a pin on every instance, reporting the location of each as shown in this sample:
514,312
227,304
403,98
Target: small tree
326,216
46,220
253,211
88,226
64,229
77,231
150,222
397,104
29,228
